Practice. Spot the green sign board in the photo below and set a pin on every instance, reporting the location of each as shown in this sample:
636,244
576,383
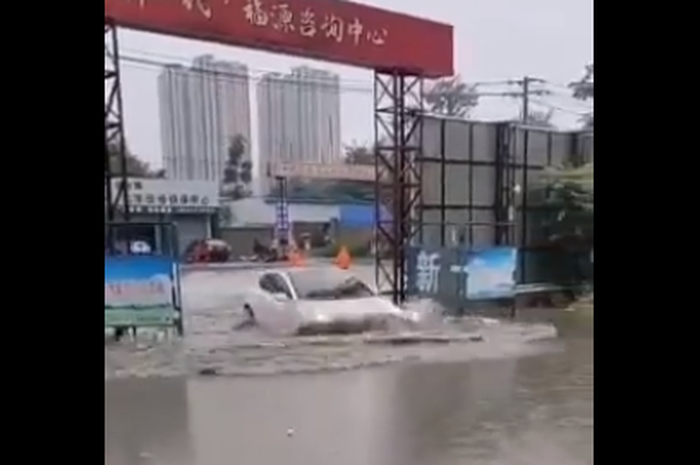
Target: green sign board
140,317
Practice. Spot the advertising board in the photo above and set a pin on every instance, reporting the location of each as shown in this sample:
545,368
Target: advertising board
140,290
329,172
342,32
486,274
168,196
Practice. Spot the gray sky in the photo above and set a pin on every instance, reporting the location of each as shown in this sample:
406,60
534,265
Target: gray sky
494,40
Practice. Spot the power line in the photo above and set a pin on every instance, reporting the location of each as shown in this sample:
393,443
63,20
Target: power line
563,110
346,85
164,60
172,59
149,65
526,84
558,85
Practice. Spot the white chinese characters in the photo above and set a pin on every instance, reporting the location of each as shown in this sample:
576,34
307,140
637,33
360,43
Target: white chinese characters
255,14
281,17
307,23
377,37
334,27
427,272
199,6
355,31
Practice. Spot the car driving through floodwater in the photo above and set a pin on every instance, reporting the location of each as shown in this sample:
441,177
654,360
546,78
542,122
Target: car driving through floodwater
304,301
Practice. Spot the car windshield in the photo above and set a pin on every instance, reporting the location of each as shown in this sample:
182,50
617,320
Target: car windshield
328,284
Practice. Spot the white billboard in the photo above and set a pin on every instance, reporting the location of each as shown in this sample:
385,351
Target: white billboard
165,195
331,172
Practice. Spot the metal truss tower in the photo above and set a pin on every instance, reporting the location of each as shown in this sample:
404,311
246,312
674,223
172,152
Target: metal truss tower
398,130
115,143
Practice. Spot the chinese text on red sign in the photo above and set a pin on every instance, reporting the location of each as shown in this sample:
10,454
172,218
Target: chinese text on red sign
342,32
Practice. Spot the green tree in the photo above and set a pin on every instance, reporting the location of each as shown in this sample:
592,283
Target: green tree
238,169
561,212
540,119
566,197
583,90
359,154
451,97
134,165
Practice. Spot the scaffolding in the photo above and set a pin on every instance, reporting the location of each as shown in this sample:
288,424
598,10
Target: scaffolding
398,130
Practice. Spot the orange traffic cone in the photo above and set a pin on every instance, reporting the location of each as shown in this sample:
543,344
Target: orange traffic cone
295,258
343,260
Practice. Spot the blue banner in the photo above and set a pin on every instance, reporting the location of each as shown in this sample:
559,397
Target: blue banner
466,274
140,290
282,225
490,273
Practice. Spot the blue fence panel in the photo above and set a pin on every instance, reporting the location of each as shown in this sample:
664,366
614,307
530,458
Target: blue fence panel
360,216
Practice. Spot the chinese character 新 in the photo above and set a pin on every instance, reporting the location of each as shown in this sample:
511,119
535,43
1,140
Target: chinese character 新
355,30
427,269
282,18
255,14
307,23
377,37
200,5
333,27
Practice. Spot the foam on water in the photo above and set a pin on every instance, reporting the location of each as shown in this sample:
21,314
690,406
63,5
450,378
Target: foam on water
211,347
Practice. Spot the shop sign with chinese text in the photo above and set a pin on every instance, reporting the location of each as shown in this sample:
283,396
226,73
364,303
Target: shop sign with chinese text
169,196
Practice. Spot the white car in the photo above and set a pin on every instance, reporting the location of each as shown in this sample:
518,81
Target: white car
306,301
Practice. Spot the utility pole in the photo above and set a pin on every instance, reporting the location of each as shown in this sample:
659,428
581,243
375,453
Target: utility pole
527,92
524,94
526,99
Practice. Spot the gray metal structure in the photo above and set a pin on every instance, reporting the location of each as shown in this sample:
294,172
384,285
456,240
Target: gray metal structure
475,178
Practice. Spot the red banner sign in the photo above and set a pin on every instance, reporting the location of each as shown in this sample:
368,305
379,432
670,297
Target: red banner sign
341,32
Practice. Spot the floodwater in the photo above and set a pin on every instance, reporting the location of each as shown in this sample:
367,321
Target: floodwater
519,397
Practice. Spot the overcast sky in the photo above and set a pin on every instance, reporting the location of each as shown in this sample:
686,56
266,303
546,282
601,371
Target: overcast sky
494,40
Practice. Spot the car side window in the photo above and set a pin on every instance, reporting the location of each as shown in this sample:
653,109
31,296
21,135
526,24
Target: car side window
281,285
274,284
266,283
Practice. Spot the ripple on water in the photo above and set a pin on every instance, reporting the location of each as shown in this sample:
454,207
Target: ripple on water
210,346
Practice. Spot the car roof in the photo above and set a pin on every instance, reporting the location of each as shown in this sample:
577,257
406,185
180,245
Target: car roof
315,271
291,273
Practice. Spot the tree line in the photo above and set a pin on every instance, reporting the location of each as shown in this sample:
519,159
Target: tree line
135,166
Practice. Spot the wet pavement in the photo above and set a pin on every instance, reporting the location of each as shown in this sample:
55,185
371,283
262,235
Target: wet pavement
518,397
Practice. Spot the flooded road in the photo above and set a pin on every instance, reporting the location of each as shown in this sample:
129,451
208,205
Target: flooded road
343,402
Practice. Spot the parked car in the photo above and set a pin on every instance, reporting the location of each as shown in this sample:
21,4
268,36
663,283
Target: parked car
207,251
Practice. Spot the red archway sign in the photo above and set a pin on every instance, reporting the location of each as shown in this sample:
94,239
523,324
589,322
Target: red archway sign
335,31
